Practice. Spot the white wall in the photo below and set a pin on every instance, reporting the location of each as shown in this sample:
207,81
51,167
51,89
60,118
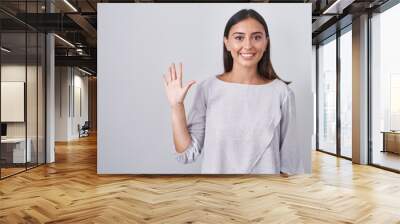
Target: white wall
61,103
136,44
314,89
80,84
68,81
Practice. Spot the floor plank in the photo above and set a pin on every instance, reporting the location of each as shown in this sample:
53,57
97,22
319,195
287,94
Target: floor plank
70,191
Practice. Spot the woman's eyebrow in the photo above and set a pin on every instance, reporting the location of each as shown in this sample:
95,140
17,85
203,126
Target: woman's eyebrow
241,33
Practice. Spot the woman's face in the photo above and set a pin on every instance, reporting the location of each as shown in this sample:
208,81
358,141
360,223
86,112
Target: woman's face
246,42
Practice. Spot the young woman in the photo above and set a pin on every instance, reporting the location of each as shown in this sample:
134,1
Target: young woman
243,121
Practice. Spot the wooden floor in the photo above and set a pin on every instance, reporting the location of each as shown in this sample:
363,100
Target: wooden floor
387,159
5,172
70,191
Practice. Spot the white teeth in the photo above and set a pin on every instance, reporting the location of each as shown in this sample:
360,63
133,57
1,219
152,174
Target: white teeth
247,55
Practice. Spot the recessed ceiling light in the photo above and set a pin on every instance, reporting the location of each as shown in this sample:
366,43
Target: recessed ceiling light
86,72
337,7
64,40
5,50
70,5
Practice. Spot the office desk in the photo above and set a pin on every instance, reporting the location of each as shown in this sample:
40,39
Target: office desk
391,141
13,150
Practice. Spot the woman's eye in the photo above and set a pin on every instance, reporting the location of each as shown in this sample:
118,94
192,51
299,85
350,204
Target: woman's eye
257,37
239,38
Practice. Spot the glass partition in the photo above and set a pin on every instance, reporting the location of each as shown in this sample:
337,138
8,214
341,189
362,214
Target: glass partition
32,95
385,89
22,77
41,87
327,96
13,109
346,93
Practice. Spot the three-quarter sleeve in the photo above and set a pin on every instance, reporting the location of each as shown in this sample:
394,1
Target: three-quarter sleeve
291,154
196,126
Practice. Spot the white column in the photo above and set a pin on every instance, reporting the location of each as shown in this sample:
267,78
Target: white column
50,110
50,91
360,90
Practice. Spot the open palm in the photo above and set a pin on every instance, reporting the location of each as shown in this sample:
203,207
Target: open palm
176,93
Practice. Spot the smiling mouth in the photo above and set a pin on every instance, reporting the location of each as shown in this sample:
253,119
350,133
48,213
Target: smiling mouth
247,55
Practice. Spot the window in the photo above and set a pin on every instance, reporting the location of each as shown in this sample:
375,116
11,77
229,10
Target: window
385,88
327,96
346,93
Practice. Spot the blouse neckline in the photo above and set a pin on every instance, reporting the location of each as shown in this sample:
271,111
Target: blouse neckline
243,84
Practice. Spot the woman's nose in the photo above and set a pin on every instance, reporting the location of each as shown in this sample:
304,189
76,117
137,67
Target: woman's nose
247,43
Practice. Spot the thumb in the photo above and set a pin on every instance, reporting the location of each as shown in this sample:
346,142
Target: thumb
186,88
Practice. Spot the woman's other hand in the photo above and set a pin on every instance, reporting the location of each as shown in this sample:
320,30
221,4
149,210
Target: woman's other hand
173,85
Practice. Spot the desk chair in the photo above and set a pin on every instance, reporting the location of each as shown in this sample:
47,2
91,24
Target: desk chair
84,130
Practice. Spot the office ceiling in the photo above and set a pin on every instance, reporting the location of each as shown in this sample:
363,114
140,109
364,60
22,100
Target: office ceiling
77,22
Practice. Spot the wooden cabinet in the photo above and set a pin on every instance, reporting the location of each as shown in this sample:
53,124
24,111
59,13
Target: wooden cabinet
391,142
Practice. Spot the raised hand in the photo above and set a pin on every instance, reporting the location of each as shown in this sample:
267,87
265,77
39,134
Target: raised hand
173,85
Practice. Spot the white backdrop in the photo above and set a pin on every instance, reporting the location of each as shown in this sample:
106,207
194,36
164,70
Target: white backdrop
137,43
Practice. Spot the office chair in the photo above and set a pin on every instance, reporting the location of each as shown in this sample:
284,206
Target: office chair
84,130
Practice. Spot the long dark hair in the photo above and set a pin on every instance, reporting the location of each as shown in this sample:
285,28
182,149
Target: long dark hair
264,66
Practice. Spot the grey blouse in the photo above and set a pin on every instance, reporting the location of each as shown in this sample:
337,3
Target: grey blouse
242,128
